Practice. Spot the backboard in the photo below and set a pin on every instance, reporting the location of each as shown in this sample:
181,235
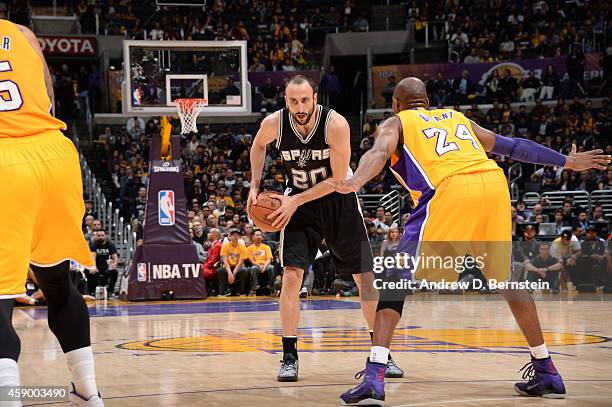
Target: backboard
158,72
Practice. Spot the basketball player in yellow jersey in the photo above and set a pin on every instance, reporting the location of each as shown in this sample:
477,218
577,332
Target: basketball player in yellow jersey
462,200
41,212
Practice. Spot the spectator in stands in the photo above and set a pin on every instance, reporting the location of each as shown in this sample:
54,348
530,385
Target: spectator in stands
575,69
508,86
537,210
269,93
198,232
493,88
527,247
107,259
379,221
582,220
516,218
330,86
598,214
199,249
139,206
260,255
88,226
591,267
566,249
462,88
374,236
550,82
156,33
387,92
360,24
441,90
233,271
388,219
544,267
257,66
213,261
530,86
389,245
560,224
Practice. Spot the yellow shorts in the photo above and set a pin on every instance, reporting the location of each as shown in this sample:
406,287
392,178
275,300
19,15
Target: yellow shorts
42,207
468,213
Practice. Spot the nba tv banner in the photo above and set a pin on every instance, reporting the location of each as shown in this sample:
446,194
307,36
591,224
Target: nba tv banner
478,72
167,261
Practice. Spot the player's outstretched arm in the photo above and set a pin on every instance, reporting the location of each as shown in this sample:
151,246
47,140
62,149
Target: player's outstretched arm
375,159
529,151
266,134
48,81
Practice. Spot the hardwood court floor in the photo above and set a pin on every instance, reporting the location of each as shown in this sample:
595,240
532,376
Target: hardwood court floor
455,350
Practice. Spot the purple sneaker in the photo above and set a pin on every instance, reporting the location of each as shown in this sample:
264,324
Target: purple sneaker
371,392
544,380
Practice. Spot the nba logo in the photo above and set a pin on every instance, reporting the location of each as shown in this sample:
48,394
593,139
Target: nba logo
165,203
142,272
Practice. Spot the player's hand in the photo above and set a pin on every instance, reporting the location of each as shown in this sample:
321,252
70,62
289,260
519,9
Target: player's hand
231,278
347,186
587,160
93,270
252,200
282,215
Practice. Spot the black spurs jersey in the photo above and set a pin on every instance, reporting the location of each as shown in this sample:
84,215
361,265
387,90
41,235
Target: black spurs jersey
305,159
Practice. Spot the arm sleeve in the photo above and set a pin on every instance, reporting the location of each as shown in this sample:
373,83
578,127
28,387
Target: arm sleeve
528,151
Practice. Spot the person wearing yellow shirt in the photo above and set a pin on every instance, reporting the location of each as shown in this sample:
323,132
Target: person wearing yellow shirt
233,271
260,255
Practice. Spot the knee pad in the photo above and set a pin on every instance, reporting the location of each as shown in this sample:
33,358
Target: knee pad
397,306
10,345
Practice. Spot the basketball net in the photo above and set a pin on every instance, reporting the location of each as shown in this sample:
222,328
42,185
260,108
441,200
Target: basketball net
188,110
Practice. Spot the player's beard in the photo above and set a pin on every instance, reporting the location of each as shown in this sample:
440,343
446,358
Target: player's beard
305,120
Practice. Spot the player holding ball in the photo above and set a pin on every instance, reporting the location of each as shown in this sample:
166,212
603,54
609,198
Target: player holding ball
314,142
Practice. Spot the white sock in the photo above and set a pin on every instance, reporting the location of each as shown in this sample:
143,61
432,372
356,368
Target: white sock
379,354
9,376
81,365
539,352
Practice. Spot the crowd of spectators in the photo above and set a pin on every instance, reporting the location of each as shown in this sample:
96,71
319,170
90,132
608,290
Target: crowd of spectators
279,32
489,31
217,174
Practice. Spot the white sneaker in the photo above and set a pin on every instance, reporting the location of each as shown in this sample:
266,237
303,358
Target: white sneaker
78,400
303,292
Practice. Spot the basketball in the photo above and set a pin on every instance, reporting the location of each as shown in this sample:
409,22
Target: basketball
266,204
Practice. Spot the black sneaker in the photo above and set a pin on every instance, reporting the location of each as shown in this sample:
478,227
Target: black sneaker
289,369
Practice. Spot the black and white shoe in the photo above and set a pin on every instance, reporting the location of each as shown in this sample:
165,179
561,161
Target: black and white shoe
393,370
289,369
77,400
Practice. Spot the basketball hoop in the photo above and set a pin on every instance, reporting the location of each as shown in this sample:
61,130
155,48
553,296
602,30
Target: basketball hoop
188,110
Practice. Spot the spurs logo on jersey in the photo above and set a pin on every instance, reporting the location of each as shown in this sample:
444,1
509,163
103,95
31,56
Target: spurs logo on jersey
305,158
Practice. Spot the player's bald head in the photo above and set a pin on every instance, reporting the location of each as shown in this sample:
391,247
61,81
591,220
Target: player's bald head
409,93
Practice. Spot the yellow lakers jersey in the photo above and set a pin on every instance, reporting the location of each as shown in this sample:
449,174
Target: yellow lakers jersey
437,143
24,104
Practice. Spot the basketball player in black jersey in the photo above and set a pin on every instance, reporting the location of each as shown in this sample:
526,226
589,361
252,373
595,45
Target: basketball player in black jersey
314,142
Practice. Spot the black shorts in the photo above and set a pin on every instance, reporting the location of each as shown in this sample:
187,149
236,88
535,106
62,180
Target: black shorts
336,218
